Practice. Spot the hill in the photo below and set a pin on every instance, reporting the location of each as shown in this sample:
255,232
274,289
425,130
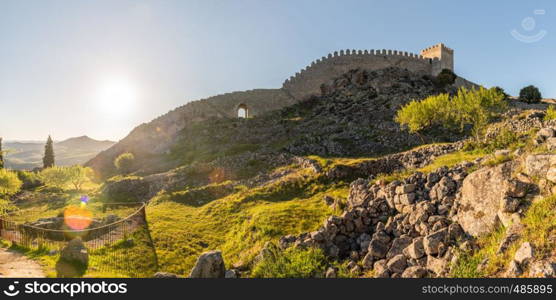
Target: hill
28,154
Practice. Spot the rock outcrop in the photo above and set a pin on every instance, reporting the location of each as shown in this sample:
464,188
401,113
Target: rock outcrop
209,265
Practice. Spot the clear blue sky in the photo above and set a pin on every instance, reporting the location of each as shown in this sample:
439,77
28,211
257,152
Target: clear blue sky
56,57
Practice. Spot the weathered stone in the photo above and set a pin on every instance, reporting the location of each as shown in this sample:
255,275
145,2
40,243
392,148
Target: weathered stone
415,250
380,269
551,143
405,189
377,249
407,199
432,242
437,265
524,254
232,273
509,205
479,201
537,165
513,270
397,264
75,252
165,275
209,265
398,245
546,133
543,269
414,272
551,174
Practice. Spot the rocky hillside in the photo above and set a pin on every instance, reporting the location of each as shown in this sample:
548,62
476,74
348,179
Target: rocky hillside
353,117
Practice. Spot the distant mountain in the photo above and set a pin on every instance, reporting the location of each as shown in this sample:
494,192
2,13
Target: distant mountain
28,154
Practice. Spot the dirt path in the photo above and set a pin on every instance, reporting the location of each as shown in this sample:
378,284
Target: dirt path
16,265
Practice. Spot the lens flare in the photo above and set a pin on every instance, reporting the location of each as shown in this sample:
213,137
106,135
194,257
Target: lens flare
84,199
77,217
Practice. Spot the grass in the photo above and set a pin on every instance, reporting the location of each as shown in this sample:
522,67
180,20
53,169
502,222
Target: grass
239,224
295,263
550,113
539,229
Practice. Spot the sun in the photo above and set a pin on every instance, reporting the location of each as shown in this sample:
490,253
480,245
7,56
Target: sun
116,96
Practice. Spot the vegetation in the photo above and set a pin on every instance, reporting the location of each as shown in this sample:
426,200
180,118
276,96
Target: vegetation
291,263
539,229
48,159
9,182
530,94
1,155
445,77
550,113
61,177
468,108
124,162
501,91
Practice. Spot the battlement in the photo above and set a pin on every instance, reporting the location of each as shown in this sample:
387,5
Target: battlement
308,80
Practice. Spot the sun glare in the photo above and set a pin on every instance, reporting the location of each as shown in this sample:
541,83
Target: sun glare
116,96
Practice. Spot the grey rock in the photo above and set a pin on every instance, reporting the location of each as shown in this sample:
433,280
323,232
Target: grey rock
524,254
209,265
433,241
397,264
75,252
414,272
416,249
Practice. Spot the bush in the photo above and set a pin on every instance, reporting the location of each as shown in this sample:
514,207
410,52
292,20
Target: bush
550,113
501,91
445,77
468,108
79,175
291,263
30,180
9,182
530,94
124,162
57,177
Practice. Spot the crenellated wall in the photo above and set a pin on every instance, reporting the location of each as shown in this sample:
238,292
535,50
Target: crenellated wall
308,81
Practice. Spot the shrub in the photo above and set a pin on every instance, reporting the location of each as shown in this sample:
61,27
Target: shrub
468,108
124,162
30,180
78,175
291,263
550,113
501,91
530,94
445,77
9,182
57,177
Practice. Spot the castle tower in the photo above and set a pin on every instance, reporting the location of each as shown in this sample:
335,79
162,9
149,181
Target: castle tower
442,57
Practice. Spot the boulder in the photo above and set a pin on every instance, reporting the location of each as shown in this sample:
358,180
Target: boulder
437,265
231,274
398,245
165,275
75,252
414,272
209,265
543,268
480,197
537,165
397,264
415,250
377,248
524,254
380,269
433,241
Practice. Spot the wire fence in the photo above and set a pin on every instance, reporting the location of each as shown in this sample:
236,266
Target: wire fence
110,246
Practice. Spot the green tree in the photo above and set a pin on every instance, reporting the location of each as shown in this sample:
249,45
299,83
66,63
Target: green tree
9,182
124,163
57,177
446,77
48,159
1,155
474,108
79,175
530,94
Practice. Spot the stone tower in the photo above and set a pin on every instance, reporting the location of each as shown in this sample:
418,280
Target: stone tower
442,56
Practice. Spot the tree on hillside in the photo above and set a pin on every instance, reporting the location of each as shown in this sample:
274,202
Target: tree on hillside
1,155
53,176
530,94
78,175
48,159
124,162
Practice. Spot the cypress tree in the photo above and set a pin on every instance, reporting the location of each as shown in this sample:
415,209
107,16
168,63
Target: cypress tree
48,159
1,155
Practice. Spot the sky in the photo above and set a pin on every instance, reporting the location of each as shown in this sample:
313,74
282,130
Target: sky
100,68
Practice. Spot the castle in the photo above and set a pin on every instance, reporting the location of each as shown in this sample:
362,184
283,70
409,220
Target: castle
160,132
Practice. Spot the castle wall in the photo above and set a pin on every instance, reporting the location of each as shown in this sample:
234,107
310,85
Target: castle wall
308,81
